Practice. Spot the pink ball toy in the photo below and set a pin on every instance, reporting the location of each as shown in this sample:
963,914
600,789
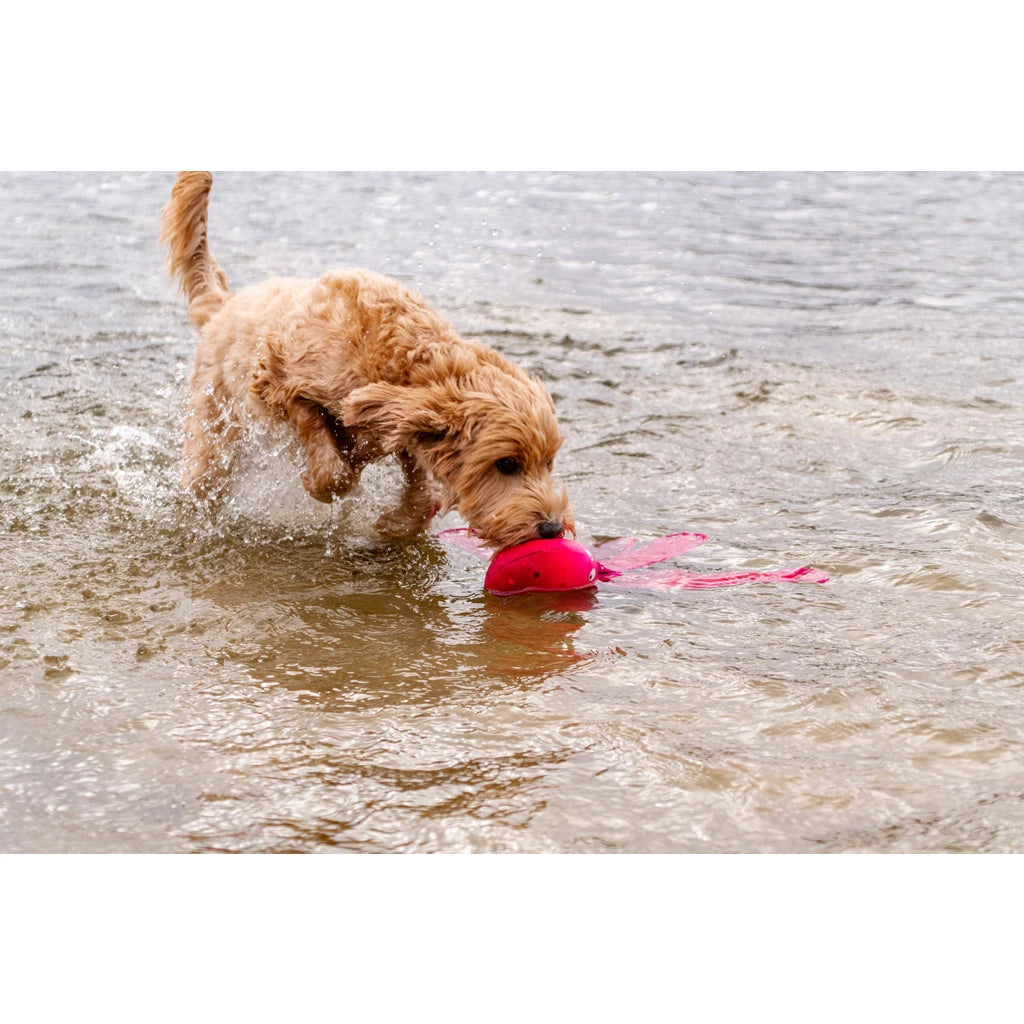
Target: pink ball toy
563,564
558,564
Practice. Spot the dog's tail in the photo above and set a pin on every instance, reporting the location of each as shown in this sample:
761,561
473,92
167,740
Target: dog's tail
183,231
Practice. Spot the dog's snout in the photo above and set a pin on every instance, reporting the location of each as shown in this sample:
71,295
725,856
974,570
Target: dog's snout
550,529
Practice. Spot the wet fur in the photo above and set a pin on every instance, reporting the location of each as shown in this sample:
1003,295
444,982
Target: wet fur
361,368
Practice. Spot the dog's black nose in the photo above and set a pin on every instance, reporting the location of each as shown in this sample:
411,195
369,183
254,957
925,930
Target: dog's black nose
549,530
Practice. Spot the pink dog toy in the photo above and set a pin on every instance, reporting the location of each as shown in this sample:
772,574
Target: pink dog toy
563,564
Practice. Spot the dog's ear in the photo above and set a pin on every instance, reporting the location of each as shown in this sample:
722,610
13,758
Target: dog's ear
399,417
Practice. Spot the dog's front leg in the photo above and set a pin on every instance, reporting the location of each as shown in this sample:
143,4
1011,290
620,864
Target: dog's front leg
419,503
329,472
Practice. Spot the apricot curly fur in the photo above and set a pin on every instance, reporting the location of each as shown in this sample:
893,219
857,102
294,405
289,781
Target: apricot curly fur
361,368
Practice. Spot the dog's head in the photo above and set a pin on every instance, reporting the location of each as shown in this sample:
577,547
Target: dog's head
489,438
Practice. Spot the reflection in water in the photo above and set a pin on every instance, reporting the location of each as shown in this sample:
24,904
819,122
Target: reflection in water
350,630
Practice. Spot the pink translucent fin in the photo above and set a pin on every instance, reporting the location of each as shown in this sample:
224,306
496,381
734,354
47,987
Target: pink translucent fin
623,554
677,579
461,537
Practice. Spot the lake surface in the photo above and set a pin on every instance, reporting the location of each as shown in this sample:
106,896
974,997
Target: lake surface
817,369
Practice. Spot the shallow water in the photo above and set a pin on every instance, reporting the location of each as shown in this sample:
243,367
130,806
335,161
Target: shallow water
811,369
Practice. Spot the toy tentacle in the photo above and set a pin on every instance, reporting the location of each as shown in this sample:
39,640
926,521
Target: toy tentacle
650,553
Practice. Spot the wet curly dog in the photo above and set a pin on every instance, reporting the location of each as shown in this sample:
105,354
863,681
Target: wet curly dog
361,368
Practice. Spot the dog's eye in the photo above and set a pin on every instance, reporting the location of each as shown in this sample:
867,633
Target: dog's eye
509,467
550,464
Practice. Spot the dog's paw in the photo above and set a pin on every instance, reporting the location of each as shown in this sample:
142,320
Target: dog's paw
389,525
328,475
404,521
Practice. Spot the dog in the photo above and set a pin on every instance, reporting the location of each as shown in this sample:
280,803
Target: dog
361,368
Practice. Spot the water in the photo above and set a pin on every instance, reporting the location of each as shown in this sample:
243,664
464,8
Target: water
809,368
